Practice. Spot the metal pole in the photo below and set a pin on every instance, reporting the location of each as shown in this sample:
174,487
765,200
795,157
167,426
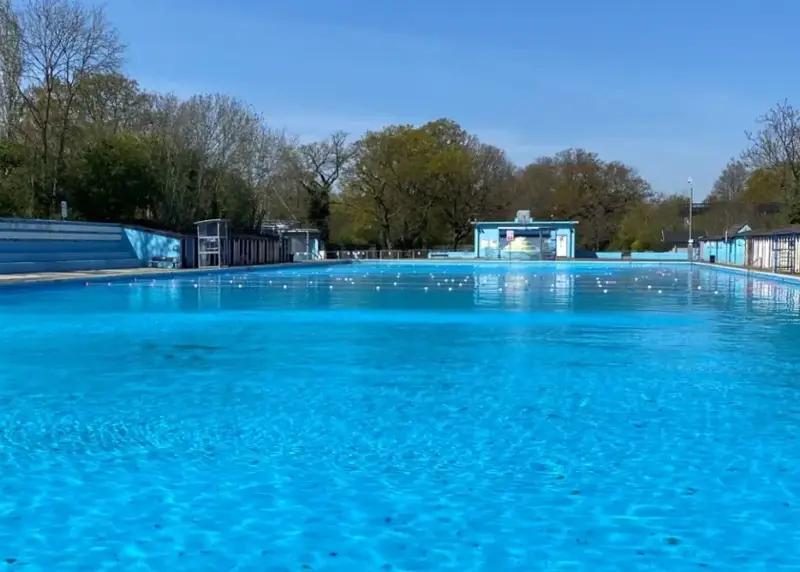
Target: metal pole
691,205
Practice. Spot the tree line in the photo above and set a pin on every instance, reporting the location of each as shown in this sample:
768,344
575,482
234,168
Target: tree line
74,128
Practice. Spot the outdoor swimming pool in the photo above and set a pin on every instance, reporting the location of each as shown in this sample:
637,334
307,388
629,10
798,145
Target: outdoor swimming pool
403,417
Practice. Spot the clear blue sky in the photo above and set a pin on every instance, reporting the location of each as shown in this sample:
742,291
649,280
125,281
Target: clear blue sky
668,87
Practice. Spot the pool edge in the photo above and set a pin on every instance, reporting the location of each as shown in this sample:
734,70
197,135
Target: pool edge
139,274
785,278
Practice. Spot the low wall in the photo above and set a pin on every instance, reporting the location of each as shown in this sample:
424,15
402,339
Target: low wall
464,255
755,272
33,230
30,246
666,256
615,255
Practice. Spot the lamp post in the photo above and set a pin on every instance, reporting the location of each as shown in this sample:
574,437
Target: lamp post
691,205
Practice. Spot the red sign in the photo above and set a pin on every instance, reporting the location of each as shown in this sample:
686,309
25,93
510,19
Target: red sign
509,235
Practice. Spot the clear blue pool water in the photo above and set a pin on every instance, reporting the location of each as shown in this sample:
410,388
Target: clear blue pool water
403,417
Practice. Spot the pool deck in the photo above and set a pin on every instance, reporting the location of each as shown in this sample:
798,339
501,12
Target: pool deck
759,272
45,277
146,272
94,274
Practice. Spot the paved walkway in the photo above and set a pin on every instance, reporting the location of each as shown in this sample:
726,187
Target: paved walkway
97,274
54,276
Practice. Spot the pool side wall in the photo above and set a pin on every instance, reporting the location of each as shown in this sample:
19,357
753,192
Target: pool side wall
39,246
651,256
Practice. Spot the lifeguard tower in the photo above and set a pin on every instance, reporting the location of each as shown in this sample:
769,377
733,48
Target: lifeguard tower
213,243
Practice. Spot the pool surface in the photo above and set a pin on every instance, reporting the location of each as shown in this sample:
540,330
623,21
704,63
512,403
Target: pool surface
394,417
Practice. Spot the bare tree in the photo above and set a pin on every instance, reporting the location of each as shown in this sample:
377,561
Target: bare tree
171,161
323,161
726,206
10,70
61,42
265,167
776,146
731,183
216,157
319,166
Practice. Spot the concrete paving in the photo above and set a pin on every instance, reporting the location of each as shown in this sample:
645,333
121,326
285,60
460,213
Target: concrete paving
94,274
146,272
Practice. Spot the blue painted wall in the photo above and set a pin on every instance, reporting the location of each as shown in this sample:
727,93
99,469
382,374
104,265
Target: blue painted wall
146,244
37,246
730,251
726,250
666,256
490,239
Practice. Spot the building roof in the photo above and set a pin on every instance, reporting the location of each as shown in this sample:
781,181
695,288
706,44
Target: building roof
287,227
788,230
529,223
730,232
735,228
210,220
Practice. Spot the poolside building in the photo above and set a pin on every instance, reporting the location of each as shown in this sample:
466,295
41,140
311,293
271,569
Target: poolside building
726,248
772,250
775,250
304,243
525,239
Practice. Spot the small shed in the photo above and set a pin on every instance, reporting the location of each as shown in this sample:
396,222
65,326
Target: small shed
775,250
726,248
525,239
305,243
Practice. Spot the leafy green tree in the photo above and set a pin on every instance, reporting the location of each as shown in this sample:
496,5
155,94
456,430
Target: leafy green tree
470,179
577,185
391,178
17,195
641,228
112,179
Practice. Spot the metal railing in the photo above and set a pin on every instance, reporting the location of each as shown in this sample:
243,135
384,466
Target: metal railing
378,254
423,254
